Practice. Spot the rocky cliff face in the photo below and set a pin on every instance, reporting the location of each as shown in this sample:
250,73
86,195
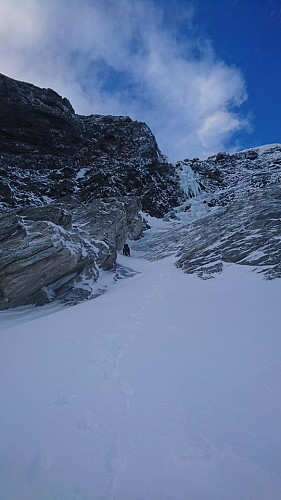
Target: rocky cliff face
230,175
242,192
72,188
52,253
233,215
71,191
47,152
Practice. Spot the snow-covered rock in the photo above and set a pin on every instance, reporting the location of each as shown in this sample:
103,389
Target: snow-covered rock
247,231
65,181
229,175
47,151
233,214
48,253
40,253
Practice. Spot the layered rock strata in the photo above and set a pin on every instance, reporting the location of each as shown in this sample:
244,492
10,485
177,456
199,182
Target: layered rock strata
47,252
234,216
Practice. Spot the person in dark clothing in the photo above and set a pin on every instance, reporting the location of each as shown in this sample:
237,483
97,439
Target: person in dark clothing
126,250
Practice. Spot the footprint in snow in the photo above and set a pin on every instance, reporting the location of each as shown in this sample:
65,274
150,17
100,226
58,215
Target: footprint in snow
193,448
88,422
63,399
116,460
125,388
38,465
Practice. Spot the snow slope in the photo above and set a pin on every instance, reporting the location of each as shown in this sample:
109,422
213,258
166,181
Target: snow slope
167,387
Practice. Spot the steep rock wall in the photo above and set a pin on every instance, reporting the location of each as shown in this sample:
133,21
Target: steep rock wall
47,151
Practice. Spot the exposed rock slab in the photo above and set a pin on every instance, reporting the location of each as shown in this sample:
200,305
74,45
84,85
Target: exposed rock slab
49,253
247,232
108,223
36,254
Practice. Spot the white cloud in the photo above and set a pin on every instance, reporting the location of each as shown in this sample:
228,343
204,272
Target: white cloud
217,123
120,57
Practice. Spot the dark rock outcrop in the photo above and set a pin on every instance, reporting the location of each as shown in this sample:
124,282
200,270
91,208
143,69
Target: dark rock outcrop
47,151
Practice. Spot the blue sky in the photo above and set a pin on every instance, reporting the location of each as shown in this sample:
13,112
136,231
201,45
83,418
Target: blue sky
247,33
203,74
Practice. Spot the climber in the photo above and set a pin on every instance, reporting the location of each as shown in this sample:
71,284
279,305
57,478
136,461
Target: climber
126,250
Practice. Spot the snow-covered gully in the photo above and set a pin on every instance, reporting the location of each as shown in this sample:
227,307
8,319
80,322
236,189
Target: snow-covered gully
166,387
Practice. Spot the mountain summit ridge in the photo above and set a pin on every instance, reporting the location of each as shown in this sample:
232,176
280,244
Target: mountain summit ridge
42,138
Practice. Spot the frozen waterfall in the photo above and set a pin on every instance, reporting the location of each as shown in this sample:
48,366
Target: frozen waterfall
188,181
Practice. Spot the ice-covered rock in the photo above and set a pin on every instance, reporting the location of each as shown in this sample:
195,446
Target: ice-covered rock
47,152
48,252
37,253
234,218
108,223
229,175
246,232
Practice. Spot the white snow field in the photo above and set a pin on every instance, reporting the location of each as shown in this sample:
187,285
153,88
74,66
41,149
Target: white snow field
167,387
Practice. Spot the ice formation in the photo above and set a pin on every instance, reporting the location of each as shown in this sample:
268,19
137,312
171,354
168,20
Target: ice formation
188,181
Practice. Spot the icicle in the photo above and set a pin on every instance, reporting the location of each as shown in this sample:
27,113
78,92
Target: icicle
188,181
